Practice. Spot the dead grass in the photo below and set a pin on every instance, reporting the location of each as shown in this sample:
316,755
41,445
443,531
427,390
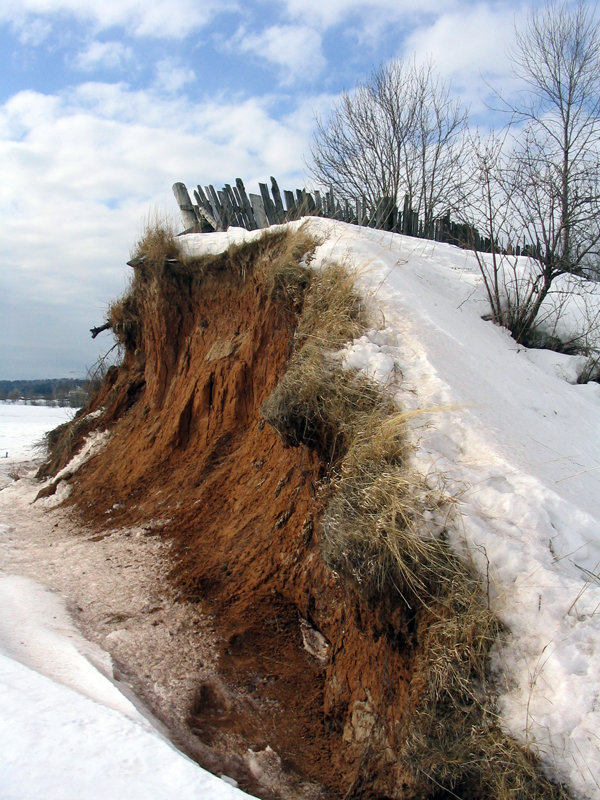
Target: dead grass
156,245
316,403
62,442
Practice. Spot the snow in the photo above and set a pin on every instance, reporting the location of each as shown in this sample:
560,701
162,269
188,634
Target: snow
506,430
66,730
21,428
509,433
517,443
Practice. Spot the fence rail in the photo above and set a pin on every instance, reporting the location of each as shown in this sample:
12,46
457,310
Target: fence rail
212,210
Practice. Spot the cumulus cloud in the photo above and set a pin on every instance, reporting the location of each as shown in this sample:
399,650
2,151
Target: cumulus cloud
171,75
295,49
174,19
113,55
82,170
469,47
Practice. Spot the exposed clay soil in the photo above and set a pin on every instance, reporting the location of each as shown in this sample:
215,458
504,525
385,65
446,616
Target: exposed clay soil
303,689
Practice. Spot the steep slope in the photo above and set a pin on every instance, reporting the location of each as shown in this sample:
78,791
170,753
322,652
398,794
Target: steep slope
306,667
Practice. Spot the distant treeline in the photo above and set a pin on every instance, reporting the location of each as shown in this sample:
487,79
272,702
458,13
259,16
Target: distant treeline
55,391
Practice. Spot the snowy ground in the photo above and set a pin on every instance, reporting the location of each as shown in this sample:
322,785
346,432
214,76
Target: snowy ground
517,442
22,427
67,732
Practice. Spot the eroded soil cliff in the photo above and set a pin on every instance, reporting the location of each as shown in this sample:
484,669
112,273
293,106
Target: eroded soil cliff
313,684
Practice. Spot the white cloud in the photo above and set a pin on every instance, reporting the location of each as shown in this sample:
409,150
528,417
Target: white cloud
114,55
174,19
327,13
171,76
83,168
469,47
34,32
296,49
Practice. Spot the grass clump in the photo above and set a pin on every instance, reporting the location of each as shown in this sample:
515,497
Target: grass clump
157,245
288,275
317,401
380,527
62,442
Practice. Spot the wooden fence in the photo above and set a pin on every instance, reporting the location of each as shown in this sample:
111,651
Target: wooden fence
213,210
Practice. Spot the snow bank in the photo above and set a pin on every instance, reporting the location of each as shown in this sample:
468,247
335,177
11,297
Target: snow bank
508,434
66,730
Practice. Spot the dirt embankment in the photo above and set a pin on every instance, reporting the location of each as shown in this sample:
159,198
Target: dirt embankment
309,675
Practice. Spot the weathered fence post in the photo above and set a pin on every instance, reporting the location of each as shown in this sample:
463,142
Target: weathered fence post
279,210
188,213
246,203
259,211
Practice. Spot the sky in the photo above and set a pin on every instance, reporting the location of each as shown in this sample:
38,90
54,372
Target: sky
103,106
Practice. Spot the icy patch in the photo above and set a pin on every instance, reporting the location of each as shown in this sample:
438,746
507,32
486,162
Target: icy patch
93,443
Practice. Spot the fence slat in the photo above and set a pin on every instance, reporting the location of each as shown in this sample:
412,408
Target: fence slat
268,204
188,214
279,211
290,204
246,204
259,210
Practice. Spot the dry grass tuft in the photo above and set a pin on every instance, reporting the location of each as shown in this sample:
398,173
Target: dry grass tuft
157,244
62,442
288,275
334,312
379,528
123,316
317,401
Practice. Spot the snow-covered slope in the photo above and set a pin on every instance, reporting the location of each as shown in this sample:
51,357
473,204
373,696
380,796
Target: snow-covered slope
519,447
506,432
509,434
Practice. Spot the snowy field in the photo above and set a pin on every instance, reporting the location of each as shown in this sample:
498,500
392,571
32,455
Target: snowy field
66,731
22,427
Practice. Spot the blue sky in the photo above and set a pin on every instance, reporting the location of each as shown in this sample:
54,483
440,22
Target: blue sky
103,106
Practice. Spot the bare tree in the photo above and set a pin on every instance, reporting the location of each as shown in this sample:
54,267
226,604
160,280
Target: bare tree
539,184
556,160
399,134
